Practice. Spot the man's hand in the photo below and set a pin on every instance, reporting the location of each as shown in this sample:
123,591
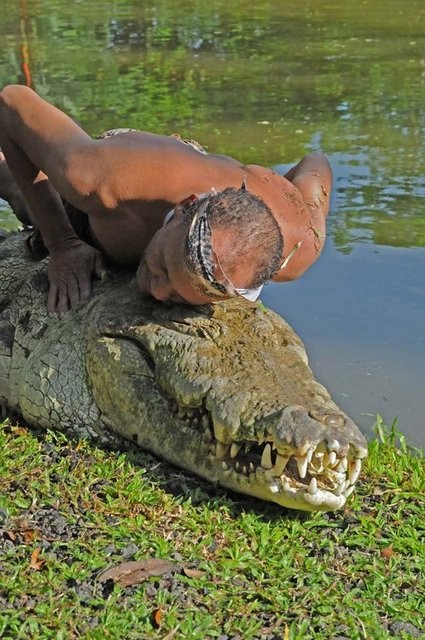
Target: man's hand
71,271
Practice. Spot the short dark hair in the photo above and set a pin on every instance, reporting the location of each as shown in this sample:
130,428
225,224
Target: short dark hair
255,233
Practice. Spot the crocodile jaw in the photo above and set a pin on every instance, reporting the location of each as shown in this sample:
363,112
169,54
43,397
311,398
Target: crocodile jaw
316,478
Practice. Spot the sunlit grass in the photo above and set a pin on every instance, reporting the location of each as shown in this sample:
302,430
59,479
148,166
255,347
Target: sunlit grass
69,510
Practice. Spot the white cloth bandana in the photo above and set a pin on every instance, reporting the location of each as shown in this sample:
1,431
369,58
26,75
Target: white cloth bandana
248,294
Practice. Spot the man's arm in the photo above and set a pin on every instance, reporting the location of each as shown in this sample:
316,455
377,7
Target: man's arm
312,177
39,143
10,192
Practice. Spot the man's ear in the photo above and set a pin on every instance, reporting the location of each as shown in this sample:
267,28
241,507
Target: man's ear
189,199
183,203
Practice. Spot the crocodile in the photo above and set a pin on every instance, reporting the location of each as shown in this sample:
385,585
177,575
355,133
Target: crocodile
223,391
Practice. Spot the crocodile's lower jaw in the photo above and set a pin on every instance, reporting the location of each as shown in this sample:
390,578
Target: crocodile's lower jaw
317,479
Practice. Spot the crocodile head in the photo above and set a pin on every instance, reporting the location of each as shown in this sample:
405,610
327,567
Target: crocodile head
225,392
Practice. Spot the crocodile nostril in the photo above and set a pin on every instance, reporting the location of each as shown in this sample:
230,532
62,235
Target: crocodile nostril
334,420
329,419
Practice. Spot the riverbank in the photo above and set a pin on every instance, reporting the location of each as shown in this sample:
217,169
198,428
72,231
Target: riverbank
240,569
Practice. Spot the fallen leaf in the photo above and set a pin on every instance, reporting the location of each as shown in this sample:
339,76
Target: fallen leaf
387,552
29,535
127,574
19,431
156,616
193,573
36,563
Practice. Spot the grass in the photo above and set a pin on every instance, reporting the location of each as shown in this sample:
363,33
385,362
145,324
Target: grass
69,510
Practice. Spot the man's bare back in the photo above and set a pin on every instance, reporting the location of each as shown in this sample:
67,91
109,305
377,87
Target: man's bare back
127,183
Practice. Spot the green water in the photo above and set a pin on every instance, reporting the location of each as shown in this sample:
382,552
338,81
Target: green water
267,84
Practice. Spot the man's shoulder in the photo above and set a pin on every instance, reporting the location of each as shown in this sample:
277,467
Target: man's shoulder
269,178
278,192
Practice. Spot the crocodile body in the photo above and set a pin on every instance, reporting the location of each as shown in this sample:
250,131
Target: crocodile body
223,391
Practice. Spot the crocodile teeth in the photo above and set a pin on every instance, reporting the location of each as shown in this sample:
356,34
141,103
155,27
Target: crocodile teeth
269,475
329,459
207,435
251,467
234,449
302,463
333,445
280,464
224,465
339,489
343,484
332,458
221,449
266,458
349,491
342,466
285,484
312,487
339,477
354,470
205,421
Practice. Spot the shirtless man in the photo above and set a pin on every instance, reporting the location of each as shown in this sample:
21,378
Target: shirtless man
199,227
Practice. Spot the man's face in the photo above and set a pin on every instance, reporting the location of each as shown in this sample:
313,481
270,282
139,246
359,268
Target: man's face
162,272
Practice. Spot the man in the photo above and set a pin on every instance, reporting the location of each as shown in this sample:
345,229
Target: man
200,227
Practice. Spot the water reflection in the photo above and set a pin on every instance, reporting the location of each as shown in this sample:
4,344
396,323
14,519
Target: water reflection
375,207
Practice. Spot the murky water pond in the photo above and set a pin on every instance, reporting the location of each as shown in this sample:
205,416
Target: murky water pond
267,84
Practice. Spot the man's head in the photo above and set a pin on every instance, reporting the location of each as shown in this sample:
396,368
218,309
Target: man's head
213,245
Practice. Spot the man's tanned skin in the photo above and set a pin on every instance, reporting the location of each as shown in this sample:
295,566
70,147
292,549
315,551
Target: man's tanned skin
126,184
